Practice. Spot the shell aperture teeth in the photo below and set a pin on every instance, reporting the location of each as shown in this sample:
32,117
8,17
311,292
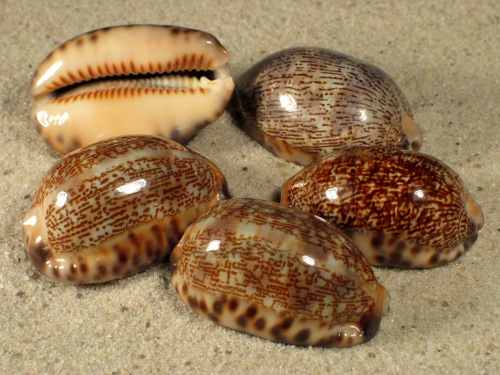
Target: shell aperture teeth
178,81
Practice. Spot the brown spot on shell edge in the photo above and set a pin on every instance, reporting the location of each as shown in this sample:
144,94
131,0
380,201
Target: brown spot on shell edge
175,30
218,307
260,324
122,254
39,255
149,249
83,267
377,240
434,259
233,304
251,312
416,249
278,329
380,259
242,321
117,270
75,144
329,341
203,306
193,303
302,335
213,318
55,273
103,270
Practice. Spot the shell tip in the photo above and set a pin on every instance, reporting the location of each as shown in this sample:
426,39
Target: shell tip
383,299
413,132
475,213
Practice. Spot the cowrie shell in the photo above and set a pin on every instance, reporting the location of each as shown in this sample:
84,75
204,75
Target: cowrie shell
139,79
284,275
302,103
117,207
401,208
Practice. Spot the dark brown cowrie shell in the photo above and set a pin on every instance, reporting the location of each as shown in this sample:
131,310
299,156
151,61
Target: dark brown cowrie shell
401,208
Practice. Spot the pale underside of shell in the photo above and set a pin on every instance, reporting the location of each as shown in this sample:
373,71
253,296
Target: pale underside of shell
117,207
138,79
401,208
287,276
302,103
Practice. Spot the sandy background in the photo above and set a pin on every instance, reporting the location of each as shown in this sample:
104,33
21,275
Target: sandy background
444,55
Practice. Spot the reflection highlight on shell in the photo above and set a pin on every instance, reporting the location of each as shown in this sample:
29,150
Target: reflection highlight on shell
302,103
137,79
117,207
284,275
401,208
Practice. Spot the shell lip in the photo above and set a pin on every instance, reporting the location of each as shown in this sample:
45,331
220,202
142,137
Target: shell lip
172,80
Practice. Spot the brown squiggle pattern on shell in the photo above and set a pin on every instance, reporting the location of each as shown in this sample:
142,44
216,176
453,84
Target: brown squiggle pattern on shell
280,274
402,208
302,103
117,207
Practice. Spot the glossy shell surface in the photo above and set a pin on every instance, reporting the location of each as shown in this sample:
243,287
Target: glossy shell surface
302,103
402,208
116,207
138,79
280,274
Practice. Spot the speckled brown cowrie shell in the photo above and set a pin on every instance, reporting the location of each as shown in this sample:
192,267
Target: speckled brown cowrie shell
401,208
117,207
284,275
138,79
304,102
